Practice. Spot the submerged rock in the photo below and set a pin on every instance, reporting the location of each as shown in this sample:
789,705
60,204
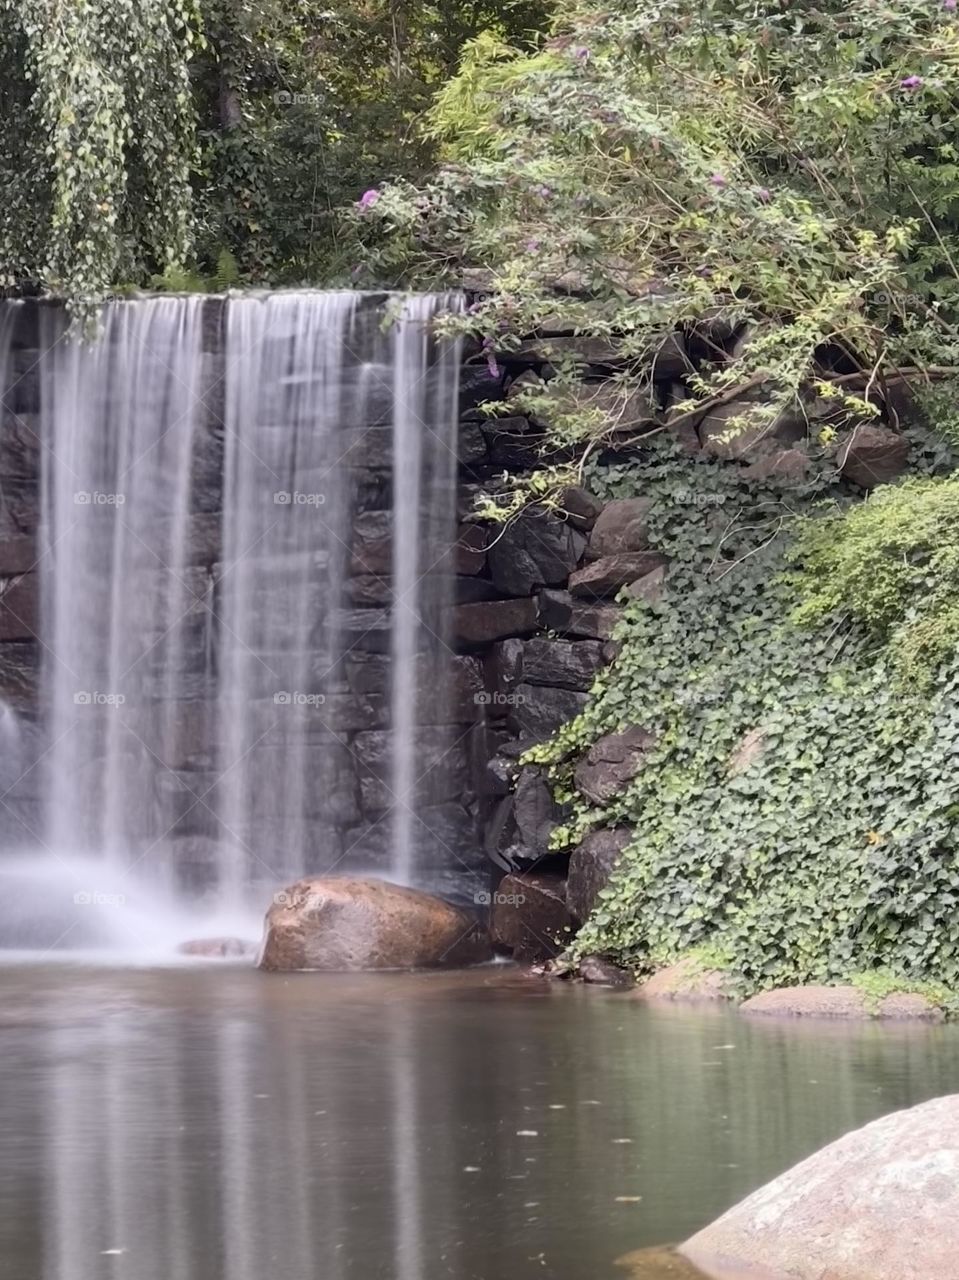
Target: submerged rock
882,1203
354,924
841,1002
218,948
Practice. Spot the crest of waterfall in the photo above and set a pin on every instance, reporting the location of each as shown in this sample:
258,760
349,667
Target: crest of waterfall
248,509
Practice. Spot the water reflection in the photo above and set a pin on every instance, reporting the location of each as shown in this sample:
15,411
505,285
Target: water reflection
219,1124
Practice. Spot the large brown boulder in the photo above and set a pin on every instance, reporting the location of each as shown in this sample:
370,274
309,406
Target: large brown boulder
355,924
873,455
529,917
622,526
841,1002
882,1203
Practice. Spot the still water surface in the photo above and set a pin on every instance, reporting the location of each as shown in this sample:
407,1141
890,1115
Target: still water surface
216,1123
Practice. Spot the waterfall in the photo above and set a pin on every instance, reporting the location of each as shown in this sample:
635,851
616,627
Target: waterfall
248,508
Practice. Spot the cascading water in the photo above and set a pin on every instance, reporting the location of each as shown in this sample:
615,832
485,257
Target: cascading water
236,692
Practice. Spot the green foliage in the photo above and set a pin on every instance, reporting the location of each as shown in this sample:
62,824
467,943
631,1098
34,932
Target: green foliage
96,163
880,983
785,171
891,565
797,815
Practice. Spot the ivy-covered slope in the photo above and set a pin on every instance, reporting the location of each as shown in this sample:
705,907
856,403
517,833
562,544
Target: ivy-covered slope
797,818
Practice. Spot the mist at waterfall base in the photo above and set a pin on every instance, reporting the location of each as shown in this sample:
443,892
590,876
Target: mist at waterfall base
182,764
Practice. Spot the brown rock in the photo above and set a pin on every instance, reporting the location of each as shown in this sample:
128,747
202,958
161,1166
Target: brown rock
20,607
748,750
840,1002
529,916
559,612
612,762
873,455
606,577
479,624
622,526
580,506
882,1203
685,981
591,864
338,924
218,948
782,464
649,588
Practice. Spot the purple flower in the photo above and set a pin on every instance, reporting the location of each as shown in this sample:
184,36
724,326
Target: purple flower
717,180
949,4
532,246
764,195
583,53
368,199
544,191
912,82
491,364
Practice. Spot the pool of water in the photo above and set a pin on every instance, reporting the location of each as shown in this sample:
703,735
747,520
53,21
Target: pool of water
215,1123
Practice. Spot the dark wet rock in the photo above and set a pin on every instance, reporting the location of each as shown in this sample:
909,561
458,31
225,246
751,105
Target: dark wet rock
372,543
472,447
612,762
564,664
583,349
622,526
513,442
618,408
581,507
535,549
591,864
443,835
338,924
603,973
20,444
671,360
841,1002
535,712
558,611
470,548
18,554
442,769
535,811
20,607
606,577
219,948
500,775
879,1204
686,981
19,673
369,589
478,385
481,624
529,916
873,455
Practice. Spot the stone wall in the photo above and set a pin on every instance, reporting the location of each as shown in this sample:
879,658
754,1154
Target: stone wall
535,606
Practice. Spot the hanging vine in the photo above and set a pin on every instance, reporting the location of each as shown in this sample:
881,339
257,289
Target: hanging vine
97,164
